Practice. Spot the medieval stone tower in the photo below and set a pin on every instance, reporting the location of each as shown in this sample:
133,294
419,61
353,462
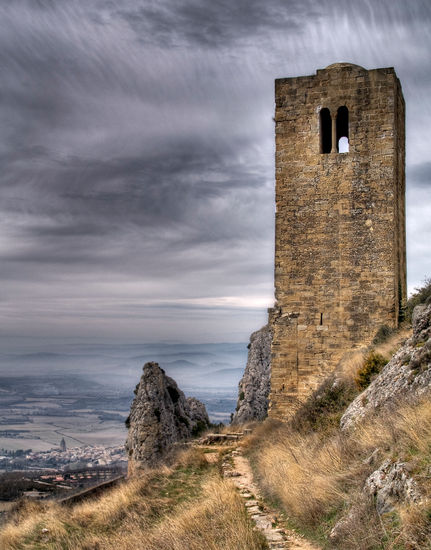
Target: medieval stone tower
340,261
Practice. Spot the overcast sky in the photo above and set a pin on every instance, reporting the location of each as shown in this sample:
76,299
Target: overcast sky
136,146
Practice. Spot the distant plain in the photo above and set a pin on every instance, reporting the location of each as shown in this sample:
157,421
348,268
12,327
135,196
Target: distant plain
83,392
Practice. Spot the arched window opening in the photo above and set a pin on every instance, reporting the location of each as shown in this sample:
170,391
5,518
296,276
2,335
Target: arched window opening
343,130
325,131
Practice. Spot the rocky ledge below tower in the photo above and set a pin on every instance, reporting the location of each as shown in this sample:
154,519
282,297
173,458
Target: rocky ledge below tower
407,376
253,388
160,416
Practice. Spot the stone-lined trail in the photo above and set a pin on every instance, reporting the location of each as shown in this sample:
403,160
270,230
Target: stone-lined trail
237,468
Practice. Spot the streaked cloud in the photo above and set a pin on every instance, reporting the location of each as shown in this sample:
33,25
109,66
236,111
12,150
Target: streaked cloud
136,145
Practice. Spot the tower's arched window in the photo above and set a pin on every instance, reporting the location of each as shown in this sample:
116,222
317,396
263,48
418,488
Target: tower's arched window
325,131
343,130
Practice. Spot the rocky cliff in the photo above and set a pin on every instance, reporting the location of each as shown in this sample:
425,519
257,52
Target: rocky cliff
160,415
253,388
406,376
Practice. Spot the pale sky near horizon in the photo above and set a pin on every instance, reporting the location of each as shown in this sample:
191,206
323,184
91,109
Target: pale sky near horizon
137,154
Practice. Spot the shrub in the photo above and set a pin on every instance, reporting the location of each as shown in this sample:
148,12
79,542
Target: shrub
324,407
373,364
421,295
382,334
199,428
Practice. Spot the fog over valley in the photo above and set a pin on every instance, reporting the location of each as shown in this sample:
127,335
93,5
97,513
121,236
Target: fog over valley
83,392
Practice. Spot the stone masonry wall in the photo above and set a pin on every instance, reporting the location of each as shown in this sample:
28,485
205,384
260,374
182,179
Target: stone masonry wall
340,269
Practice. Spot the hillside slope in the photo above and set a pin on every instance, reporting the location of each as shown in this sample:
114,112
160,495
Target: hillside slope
187,506
365,483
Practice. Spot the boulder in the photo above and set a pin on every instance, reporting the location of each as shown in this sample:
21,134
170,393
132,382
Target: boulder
386,488
390,485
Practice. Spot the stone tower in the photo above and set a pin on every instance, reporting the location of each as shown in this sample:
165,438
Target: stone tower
340,255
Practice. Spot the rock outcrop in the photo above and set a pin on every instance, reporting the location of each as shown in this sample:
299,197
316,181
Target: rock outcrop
406,376
253,388
391,484
388,486
160,415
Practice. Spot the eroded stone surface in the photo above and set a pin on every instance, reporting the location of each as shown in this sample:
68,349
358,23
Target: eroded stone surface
406,376
391,484
160,415
253,388
386,487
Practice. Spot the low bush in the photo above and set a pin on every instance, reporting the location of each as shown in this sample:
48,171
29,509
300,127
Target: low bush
422,295
373,364
323,409
382,334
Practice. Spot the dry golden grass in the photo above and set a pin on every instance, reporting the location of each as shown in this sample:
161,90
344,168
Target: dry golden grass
185,507
301,472
217,521
404,429
192,457
416,521
349,365
71,527
393,342
315,475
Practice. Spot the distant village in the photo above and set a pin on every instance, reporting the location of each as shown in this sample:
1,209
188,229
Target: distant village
63,459
59,473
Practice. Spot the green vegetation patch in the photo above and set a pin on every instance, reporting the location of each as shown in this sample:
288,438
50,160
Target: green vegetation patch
383,334
373,364
422,295
324,408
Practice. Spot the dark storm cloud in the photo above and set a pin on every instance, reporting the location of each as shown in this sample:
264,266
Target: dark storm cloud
222,23
136,146
87,196
75,202
214,24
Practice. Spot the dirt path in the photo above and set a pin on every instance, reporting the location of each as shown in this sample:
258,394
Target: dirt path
237,467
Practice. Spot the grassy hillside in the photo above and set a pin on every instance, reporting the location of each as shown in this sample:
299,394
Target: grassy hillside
319,476
185,507
316,477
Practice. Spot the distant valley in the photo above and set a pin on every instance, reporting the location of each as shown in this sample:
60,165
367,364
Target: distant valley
82,393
